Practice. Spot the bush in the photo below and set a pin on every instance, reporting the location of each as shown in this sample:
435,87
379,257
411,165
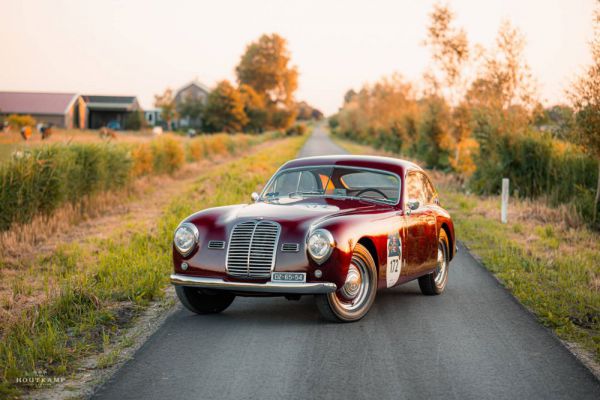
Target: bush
168,155
537,165
19,121
143,160
296,130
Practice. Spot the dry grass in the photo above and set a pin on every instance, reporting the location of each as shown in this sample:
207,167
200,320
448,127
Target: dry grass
75,293
547,256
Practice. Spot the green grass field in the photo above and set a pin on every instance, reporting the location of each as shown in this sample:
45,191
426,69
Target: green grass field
91,289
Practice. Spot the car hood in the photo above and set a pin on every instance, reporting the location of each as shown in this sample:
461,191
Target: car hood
309,210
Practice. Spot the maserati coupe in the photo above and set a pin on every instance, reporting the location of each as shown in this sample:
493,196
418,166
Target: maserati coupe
338,228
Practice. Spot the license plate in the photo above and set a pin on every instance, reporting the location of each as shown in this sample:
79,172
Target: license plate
288,277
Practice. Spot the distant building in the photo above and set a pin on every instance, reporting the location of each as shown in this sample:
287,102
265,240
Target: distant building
63,110
153,117
110,111
194,90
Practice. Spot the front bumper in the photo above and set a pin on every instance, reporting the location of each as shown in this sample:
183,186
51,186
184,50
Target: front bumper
268,287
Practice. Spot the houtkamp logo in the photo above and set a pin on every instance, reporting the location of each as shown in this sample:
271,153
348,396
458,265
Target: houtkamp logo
39,377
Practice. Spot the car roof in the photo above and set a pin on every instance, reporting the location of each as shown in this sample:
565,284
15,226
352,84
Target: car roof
395,165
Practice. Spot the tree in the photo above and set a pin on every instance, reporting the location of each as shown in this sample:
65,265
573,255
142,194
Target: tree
192,108
450,52
585,97
134,120
265,68
225,109
254,107
166,103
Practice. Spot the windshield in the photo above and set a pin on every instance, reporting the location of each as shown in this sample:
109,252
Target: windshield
340,182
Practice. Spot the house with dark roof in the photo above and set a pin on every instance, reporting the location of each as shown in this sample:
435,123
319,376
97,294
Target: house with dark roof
63,110
111,111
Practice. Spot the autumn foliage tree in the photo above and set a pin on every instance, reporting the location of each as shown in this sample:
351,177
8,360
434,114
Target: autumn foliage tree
265,67
167,105
585,96
224,109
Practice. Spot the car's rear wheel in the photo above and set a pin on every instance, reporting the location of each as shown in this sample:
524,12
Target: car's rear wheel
353,300
202,302
435,282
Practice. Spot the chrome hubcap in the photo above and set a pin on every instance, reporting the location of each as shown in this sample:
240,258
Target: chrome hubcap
354,293
353,282
441,269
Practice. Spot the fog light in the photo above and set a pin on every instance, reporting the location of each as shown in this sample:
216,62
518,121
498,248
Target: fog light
184,266
318,273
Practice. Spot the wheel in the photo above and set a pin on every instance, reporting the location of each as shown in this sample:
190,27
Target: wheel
201,302
352,301
435,282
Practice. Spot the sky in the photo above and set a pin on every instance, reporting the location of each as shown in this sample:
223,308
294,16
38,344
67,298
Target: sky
141,47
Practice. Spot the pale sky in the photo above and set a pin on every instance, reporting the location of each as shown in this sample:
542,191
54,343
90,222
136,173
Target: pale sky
139,47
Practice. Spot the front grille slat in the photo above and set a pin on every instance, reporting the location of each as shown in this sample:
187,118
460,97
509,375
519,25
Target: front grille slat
252,248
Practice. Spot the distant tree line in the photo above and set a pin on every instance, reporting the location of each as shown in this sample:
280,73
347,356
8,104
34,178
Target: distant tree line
477,114
262,98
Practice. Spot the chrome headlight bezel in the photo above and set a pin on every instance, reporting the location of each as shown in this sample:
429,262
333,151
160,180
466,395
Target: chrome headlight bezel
327,241
191,228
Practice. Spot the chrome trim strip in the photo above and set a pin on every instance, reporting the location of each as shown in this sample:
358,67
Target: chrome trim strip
269,287
290,247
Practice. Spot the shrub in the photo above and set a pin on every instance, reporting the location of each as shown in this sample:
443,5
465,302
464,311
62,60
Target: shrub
19,121
296,130
143,160
168,155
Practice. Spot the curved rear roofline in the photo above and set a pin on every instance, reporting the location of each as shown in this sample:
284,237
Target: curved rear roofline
395,165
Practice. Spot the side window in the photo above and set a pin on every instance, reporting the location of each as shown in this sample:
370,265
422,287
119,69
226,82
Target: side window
414,188
428,192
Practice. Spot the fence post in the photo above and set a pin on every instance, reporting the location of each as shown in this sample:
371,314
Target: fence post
504,209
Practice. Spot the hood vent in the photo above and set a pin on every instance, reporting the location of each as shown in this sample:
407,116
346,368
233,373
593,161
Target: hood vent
290,247
216,244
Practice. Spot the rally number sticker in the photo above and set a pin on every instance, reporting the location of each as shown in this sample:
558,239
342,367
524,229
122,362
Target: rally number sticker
394,259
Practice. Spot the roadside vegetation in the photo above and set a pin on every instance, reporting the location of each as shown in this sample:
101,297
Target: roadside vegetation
40,179
70,303
476,113
546,256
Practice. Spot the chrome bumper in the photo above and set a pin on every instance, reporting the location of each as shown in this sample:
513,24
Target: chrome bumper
268,287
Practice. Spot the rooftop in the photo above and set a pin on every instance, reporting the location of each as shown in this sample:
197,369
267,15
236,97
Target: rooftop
35,103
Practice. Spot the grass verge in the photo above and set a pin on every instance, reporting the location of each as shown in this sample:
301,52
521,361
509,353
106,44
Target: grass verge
548,259
94,288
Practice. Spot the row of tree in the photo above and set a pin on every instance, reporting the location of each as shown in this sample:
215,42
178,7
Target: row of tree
263,97
477,113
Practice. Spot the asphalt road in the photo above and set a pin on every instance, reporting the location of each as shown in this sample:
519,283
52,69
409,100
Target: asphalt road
473,342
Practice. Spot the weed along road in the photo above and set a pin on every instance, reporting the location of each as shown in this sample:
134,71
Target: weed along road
475,341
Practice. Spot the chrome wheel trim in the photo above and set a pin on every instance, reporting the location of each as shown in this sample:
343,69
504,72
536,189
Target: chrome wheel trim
355,292
442,265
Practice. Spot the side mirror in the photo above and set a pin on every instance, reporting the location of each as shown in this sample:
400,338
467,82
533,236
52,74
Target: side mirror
254,196
412,205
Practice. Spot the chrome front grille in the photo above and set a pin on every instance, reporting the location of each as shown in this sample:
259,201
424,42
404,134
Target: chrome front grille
251,251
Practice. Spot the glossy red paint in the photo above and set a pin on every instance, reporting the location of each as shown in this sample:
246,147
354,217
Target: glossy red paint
349,221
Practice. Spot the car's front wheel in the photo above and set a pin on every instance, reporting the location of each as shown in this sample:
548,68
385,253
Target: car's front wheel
435,282
202,302
353,300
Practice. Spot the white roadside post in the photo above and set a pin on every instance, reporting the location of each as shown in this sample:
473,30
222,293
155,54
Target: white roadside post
504,210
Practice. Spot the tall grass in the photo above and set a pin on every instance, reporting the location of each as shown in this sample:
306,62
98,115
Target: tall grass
39,180
130,270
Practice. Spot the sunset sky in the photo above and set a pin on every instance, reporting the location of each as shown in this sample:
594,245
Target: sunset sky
140,47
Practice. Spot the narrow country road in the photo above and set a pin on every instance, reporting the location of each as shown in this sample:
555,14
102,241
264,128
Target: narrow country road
473,342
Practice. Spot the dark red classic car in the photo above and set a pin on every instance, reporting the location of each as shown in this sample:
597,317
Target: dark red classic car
336,227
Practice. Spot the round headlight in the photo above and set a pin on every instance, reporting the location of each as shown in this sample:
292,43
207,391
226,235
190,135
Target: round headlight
320,245
186,237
